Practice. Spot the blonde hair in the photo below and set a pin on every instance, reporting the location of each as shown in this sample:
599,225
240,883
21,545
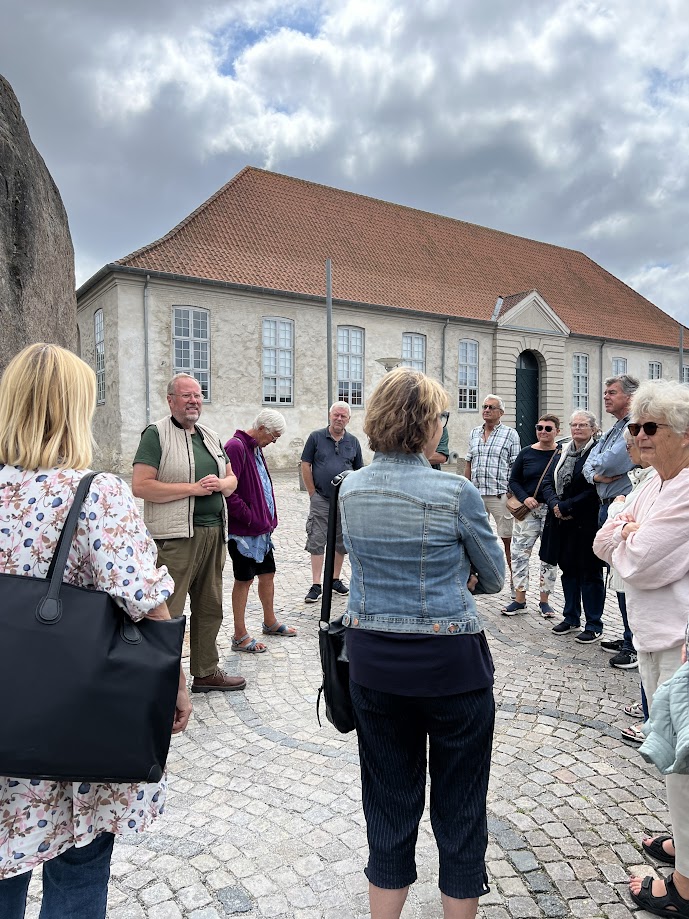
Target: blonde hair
403,411
47,398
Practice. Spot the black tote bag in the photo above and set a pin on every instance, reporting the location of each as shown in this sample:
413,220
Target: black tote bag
331,637
88,695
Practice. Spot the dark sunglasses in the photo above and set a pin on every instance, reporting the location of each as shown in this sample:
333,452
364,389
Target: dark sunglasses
648,427
545,427
444,417
490,408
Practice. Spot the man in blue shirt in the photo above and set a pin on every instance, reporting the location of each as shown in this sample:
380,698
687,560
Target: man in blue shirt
607,468
328,452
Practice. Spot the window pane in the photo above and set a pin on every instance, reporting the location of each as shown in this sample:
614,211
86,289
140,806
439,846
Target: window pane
191,345
350,364
467,375
278,360
269,333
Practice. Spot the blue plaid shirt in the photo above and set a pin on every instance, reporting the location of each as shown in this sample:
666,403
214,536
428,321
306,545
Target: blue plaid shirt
491,462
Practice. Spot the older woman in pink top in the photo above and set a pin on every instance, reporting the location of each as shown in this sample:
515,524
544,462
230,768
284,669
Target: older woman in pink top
647,544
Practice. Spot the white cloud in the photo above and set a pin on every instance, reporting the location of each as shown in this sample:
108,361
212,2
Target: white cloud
559,121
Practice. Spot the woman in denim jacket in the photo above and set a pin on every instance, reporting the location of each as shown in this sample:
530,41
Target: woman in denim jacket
421,671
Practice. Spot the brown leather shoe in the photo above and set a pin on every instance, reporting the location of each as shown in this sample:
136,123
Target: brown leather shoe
218,680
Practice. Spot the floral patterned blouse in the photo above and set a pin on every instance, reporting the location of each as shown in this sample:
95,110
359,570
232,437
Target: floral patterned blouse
111,551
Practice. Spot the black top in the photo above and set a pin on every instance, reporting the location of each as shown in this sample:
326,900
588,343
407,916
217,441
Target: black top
328,457
419,665
527,470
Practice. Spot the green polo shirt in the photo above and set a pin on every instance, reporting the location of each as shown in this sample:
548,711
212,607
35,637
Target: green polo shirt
207,511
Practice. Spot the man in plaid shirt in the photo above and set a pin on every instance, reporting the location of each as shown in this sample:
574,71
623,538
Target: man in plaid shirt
493,448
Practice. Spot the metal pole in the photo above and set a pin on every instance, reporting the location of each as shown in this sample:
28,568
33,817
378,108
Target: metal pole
681,352
329,329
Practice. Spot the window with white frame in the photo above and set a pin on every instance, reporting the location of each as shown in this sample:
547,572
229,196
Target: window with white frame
350,365
468,375
278,361
414,351
99,347
580,381
619,366
655,370
685,373
191,345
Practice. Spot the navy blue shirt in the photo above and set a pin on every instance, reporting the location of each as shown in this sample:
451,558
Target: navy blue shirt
419,665
328,457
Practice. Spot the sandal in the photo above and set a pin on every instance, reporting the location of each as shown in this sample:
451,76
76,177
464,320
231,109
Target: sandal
635,710
546,610
669,904
250,648
513,608
655,849
280,630
633,734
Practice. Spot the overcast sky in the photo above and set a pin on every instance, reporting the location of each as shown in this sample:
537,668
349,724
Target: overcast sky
564,120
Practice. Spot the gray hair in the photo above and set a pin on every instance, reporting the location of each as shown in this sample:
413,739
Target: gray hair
497,399
341,405
589,416
629,385
171,391
663,400
271,420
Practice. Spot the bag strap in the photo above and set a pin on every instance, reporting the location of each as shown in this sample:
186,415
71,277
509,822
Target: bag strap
555,453
50,607
329,567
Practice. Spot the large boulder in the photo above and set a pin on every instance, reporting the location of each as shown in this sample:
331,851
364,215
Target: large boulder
37,298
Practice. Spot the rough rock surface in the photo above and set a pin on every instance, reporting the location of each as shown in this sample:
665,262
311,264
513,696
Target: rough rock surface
37,300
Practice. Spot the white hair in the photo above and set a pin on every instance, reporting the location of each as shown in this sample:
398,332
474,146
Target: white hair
271,420
497,399
341,405
662,400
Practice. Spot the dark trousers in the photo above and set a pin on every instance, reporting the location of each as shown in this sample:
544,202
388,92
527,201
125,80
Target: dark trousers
587,590
393,733
75,884
621,599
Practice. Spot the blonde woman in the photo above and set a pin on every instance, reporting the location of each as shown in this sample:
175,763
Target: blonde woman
47,398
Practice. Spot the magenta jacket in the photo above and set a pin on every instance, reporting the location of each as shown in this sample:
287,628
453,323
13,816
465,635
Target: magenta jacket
247,510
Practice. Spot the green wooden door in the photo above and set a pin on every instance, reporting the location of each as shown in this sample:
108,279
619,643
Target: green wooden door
527,397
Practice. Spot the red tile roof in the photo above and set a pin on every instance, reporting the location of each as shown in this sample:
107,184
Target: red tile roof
268,230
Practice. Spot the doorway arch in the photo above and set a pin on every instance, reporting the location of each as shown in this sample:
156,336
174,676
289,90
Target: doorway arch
527,389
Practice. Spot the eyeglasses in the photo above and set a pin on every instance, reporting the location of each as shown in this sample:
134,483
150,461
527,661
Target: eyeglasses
273,437
580,424
490,408
443,418
548,428
189,396
648,427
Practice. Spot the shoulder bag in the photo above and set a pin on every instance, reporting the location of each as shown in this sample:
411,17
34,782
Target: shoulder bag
331,637
89,695
517,508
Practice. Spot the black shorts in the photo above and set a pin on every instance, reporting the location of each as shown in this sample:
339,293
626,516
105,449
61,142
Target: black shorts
246,569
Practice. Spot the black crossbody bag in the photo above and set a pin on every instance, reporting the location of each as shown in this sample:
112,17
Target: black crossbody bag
331,637
89,695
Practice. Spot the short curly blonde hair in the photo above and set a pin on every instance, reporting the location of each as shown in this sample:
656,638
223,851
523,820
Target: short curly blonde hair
403,411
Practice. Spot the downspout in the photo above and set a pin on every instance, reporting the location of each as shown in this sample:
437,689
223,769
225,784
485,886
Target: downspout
442,355
681,352
147,379
602,385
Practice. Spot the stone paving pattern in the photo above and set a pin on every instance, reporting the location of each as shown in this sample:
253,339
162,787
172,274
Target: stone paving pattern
264,815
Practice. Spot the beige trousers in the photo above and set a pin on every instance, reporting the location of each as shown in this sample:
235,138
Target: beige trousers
196,566
655,667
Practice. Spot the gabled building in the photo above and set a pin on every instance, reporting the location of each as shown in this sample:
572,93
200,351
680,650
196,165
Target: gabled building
235,294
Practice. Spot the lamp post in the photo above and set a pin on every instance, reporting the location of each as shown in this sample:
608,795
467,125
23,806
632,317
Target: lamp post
389,362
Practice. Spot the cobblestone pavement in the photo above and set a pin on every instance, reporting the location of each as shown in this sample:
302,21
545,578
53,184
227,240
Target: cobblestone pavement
264,816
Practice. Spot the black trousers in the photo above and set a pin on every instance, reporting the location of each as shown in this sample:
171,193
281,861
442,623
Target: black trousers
394,733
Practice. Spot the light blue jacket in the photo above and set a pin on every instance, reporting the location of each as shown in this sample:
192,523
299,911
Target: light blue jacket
609,457
413,536
667,730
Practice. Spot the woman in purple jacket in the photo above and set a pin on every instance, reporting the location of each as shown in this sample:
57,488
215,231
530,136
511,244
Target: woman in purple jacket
252,517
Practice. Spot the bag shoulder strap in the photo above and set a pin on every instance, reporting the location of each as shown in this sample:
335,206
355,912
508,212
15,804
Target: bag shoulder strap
49,608
555,453
329,566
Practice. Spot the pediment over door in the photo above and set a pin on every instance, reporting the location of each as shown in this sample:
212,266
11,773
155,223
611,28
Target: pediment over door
529,312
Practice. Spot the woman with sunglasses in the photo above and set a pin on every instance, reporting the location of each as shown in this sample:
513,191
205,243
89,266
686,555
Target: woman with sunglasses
526,483
570,528
421,674
647,544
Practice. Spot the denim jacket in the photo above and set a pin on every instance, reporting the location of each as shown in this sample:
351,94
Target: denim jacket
413,537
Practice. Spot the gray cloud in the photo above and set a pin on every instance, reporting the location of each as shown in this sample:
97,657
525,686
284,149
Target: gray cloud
558,121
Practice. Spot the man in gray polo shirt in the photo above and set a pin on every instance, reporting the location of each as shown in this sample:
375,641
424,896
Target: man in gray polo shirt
328,452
